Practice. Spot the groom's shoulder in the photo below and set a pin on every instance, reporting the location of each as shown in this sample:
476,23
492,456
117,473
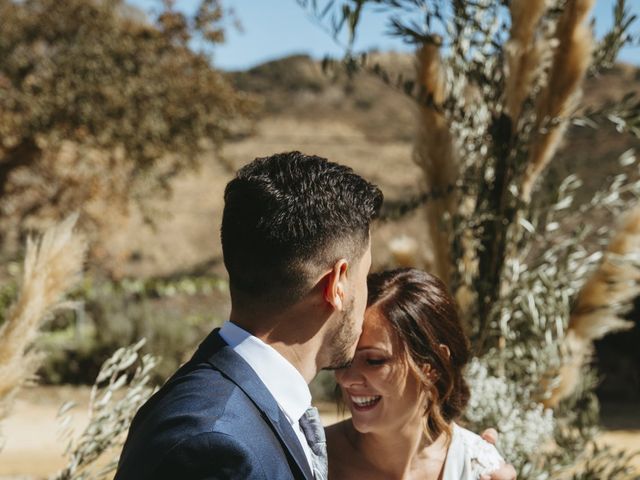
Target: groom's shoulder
198,410
198,393
195,400
197,388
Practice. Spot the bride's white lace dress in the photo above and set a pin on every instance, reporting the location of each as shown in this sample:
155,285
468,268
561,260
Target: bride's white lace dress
469,456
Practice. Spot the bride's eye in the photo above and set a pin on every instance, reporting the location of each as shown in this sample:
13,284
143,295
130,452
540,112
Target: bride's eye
376,361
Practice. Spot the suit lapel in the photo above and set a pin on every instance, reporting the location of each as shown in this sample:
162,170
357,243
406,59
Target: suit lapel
290,439
232,366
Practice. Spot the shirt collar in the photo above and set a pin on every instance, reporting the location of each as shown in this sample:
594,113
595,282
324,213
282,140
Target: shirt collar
283,380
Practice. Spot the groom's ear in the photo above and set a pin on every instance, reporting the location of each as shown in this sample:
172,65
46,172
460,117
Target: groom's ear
335,284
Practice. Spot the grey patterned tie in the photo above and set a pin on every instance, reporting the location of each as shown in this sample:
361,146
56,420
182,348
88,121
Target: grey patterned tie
314,433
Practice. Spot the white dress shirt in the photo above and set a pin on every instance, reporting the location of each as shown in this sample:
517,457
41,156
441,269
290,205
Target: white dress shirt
283,380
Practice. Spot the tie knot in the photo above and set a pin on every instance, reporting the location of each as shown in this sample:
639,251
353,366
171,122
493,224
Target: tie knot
312,428
314,433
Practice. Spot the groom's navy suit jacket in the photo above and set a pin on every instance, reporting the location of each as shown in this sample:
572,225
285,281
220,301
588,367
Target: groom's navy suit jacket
214,419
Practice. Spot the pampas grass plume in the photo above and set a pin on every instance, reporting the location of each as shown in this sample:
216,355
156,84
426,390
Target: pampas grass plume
52,265
559,97
523,54
434,153
602,301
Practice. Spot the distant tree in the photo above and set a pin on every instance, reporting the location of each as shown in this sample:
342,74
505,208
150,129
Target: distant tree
98,99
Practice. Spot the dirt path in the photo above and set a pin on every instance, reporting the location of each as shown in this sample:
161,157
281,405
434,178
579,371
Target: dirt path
33,442
33,448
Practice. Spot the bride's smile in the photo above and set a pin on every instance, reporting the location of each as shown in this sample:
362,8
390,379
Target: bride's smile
378,387
405,390
364,403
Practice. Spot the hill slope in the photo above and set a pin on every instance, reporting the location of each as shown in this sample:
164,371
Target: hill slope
358,121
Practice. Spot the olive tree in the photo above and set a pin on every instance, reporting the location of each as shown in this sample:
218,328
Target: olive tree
98,98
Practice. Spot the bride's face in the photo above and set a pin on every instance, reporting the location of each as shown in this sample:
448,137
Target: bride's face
378,387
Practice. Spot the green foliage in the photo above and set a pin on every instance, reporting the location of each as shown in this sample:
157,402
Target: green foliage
122,385
323,387
173,315
516,260
524,424
8,293
619,36
624,114
607,462
124,92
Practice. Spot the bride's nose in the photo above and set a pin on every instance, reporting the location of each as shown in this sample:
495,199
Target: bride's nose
350,376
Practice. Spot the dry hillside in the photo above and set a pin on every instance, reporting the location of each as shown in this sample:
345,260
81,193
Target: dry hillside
358,121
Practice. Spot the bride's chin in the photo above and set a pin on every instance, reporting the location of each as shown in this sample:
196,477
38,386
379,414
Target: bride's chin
365,426
363,422
360,427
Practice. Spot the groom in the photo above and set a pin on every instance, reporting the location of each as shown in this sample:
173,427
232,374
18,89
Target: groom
296,245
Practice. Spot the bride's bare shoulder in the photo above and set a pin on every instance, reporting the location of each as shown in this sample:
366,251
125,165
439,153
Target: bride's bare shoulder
336,434
343,459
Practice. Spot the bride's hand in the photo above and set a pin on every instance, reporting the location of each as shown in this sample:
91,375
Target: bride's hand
490,435
506,472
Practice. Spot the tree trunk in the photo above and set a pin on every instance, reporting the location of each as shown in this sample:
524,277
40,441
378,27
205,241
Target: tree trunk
21,155
494,239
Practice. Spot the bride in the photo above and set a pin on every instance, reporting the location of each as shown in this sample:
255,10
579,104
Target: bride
405,390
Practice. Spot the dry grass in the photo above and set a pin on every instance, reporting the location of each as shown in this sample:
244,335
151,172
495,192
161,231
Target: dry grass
52,265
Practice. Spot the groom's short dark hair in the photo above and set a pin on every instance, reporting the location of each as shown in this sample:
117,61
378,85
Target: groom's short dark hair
288,216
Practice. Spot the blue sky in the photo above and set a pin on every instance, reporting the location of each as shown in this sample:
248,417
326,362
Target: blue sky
275,28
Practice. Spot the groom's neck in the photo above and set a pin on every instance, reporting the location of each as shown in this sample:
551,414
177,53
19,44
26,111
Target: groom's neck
289,333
